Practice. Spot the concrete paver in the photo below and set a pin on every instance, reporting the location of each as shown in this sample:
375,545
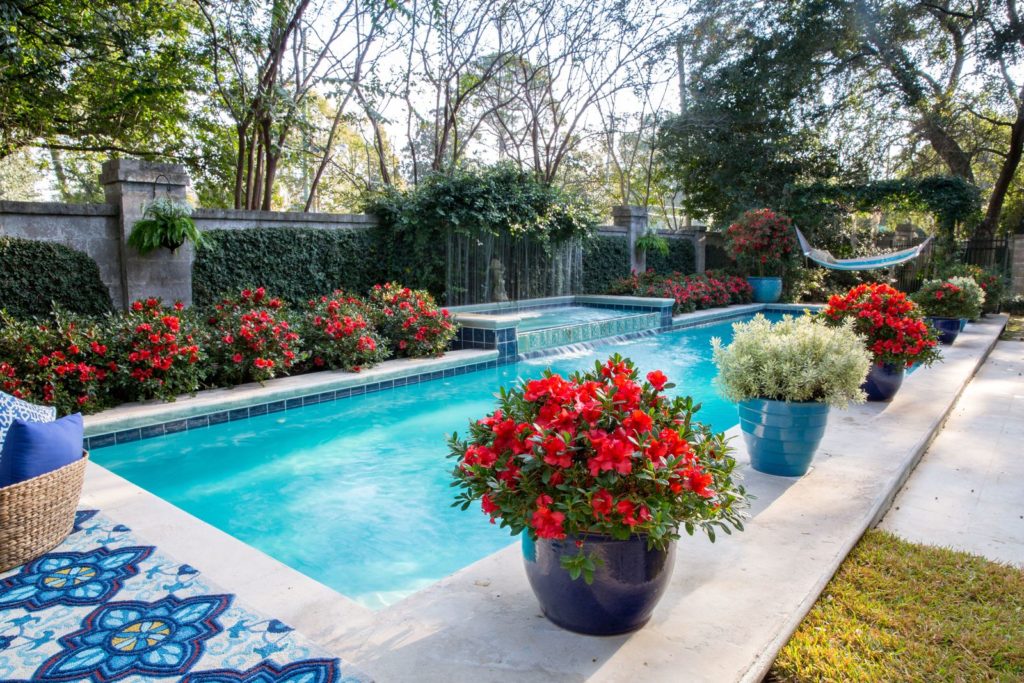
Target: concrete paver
967,492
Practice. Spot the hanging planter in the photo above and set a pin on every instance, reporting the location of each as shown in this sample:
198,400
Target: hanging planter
165,223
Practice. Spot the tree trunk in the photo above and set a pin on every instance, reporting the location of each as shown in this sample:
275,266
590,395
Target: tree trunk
240,165
986,230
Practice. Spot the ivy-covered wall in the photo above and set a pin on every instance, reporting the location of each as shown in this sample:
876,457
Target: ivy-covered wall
680,258
37,275
606,258
293,263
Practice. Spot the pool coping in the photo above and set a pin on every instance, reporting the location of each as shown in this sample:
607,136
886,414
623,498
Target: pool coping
481,622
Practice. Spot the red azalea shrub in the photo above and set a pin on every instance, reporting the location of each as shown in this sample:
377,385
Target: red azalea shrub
252,337
63,362
598,453
762,242
158,350
691,292
411,320
892,325
339,334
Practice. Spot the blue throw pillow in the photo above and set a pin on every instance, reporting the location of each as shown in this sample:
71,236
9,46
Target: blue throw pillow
35,448
12,408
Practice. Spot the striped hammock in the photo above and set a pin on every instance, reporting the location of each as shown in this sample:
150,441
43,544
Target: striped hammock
824,258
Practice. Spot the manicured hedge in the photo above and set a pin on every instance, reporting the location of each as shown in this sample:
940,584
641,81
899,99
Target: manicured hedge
605,259
680,258
296,263
37,275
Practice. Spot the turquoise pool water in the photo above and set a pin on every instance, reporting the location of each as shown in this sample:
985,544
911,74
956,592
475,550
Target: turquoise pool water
355,493
566,315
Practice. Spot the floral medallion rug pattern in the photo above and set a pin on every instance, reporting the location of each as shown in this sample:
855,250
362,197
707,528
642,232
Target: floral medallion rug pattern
104,606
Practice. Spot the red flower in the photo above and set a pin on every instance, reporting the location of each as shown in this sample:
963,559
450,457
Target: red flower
657,379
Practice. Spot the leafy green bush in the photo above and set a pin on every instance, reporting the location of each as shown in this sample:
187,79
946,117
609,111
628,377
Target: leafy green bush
957,297
605,260
38,275
500,200
797,359
296,263
340,334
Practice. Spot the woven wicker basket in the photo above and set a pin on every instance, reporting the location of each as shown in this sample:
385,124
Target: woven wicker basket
37,514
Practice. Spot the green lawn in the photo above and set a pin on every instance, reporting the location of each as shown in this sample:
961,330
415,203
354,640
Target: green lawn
1014,328
897,611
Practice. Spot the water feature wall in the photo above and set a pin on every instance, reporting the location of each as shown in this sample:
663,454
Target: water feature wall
489,268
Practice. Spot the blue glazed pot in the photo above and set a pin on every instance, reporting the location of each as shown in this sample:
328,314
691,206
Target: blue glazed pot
884,380
963,324
948,329
782,437
628,582
767,290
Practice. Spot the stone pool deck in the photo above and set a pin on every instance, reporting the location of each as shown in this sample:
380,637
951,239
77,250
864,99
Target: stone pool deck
966,494
730,606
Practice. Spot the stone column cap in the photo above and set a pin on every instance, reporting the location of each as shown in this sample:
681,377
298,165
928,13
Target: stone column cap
630,211
142,171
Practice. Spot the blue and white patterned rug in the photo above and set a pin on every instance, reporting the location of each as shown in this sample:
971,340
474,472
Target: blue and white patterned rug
105,607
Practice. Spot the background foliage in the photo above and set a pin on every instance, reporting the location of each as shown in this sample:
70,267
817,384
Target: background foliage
294,263
606,259
37,275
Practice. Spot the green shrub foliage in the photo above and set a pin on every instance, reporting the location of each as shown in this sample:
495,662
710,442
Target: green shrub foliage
37,275
296,263
680,258
605,260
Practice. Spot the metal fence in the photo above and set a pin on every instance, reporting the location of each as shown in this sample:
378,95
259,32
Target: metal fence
994,254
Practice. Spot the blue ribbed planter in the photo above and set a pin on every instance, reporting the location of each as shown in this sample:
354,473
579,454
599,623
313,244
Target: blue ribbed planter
628,582
948,329
884,380
782,437
767,290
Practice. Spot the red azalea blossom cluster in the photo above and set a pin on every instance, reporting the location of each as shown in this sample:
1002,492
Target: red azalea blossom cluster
253,339
599,452
691,292
762,242
892,325
340,334
411,319
159,351
62,363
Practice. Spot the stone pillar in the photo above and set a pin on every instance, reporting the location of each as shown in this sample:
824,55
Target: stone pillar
634,219
700,239
131,184
1018,265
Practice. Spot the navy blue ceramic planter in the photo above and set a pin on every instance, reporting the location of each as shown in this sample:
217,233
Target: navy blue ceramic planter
767,290
884,380
782,437
628,582
948,329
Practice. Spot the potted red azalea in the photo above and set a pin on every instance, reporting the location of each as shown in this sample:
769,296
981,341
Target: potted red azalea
762,243
895,332
599,472
949,304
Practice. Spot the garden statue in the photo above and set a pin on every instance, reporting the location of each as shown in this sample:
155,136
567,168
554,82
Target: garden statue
498,280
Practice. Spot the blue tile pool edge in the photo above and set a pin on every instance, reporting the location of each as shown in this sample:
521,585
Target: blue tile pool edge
171,426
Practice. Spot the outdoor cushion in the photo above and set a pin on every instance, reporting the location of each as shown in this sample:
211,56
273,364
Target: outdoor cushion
12,408
35,448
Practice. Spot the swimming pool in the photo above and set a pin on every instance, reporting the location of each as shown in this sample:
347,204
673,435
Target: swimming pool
542,318
355,493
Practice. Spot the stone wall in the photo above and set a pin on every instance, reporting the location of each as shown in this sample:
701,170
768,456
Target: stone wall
101,230
89,228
